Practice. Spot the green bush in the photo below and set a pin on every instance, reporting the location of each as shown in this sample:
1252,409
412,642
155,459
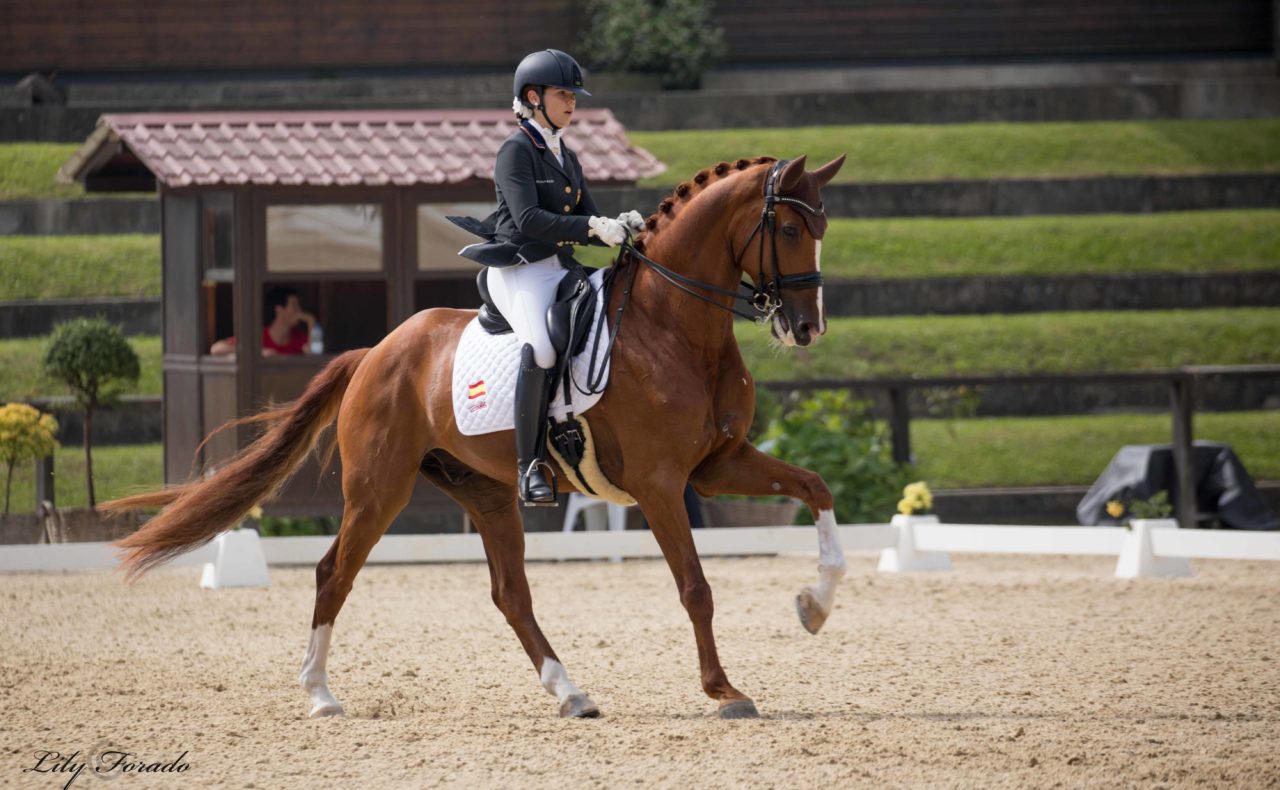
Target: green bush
290,526
675,39
832,434
93,359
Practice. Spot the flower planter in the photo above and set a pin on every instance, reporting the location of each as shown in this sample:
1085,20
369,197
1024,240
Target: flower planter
21,528
79,525
730,513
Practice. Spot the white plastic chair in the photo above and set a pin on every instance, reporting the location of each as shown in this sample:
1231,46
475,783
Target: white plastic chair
597,514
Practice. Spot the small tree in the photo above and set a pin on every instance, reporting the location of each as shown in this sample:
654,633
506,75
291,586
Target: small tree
677,39
93,359
25,434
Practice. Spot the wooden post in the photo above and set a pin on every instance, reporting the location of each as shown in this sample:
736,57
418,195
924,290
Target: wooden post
44,481
1182,403
900,424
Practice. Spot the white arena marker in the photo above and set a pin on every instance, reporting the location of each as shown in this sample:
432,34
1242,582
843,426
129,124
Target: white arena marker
239,562
906,557
1137,558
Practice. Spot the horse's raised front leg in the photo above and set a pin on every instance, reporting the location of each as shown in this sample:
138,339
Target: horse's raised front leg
492,508
750,472
669,521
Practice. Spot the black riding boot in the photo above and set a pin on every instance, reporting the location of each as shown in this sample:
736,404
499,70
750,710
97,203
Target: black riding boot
531,431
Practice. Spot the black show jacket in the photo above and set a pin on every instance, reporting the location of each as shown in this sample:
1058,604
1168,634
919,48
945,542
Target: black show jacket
543,206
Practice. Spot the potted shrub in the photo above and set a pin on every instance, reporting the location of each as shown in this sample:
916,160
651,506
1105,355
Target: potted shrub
25,435
831,433
668,43
93,359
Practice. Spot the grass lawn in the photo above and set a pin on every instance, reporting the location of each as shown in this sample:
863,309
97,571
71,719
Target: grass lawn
21,369
56,267
983,150
1027,343
117,471
27,171
1028,451
1202,241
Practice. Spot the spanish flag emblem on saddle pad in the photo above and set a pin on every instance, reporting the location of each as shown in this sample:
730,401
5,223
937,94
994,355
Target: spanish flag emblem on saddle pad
476,390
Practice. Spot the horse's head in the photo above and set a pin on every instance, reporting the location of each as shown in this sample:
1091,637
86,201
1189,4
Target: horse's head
781,254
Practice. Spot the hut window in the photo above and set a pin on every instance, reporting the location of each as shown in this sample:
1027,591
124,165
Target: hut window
439,239
324,238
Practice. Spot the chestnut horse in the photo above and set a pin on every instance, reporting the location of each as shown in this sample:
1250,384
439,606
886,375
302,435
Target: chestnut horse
677,410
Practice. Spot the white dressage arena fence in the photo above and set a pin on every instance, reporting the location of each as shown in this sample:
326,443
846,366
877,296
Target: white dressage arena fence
909,543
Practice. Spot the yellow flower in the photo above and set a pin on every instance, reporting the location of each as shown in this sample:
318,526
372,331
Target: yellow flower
255,512
1115,509
905,507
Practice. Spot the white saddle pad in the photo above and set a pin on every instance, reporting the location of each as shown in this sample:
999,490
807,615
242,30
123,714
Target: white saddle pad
485,367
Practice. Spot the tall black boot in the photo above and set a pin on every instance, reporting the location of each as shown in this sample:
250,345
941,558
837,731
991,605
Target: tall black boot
532,393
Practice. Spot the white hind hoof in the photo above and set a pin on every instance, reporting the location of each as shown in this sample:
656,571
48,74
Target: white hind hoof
324,710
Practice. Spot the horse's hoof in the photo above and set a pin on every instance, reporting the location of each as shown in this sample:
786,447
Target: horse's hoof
811,615
579,706
739,709
326,710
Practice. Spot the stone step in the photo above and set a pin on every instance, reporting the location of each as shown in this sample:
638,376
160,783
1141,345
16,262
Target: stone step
739,100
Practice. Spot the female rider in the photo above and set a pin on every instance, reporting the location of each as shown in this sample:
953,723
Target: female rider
544,209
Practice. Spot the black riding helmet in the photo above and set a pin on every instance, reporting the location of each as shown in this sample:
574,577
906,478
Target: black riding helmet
548,67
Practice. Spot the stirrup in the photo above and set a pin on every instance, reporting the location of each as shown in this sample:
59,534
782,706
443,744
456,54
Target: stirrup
523,487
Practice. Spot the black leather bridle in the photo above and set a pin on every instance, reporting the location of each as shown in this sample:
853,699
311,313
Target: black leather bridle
765,296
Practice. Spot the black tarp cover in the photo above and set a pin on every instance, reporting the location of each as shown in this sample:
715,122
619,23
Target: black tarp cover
1224,489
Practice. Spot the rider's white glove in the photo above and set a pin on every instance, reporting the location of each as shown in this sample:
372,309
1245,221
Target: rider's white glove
610,231
632,220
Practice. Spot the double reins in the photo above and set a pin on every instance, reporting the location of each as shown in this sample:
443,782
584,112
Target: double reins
765,296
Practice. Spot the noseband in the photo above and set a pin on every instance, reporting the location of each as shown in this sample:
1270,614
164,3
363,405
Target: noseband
766,295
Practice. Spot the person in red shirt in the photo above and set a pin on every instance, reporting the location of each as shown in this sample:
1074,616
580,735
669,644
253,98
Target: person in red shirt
286,327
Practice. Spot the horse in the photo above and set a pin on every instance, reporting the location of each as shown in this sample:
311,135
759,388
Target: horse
679,402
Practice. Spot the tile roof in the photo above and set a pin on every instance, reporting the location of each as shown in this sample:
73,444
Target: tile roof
342,148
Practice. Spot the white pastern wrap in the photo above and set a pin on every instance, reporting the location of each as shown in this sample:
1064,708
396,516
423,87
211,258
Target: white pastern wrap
314,678
485,367
831,564
556,681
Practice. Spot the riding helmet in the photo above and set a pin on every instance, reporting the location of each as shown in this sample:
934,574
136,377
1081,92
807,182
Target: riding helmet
548,67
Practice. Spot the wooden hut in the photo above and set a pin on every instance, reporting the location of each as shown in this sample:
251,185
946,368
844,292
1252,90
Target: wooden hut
346,208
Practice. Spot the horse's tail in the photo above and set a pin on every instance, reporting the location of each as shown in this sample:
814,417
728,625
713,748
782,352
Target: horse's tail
195,512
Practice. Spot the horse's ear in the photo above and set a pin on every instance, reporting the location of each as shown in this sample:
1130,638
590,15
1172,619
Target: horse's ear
829,170
789,178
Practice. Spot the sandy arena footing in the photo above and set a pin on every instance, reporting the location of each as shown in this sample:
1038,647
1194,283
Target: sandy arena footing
1009,671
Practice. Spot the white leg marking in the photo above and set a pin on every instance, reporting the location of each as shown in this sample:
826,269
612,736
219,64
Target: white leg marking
822,314
556,681
831,564
314,678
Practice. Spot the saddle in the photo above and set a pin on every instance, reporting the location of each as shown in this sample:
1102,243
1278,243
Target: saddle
568,317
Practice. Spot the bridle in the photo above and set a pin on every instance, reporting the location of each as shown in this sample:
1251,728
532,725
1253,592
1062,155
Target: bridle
765,296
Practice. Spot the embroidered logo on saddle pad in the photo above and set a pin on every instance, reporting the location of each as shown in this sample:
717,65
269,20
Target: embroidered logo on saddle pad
484,377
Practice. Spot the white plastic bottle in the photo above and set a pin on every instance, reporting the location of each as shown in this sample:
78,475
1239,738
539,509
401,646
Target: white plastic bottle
317,339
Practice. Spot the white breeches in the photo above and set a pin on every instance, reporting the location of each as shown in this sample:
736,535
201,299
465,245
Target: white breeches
523,293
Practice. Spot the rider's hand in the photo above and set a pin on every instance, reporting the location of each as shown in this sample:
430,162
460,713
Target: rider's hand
632,220
610,231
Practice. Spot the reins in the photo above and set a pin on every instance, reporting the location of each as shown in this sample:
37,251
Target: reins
765,296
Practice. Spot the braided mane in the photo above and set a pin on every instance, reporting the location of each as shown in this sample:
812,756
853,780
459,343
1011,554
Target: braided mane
688,189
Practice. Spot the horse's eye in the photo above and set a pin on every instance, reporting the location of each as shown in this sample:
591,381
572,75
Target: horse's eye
791,230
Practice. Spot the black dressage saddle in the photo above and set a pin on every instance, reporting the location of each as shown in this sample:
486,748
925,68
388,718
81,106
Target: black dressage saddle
568,317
